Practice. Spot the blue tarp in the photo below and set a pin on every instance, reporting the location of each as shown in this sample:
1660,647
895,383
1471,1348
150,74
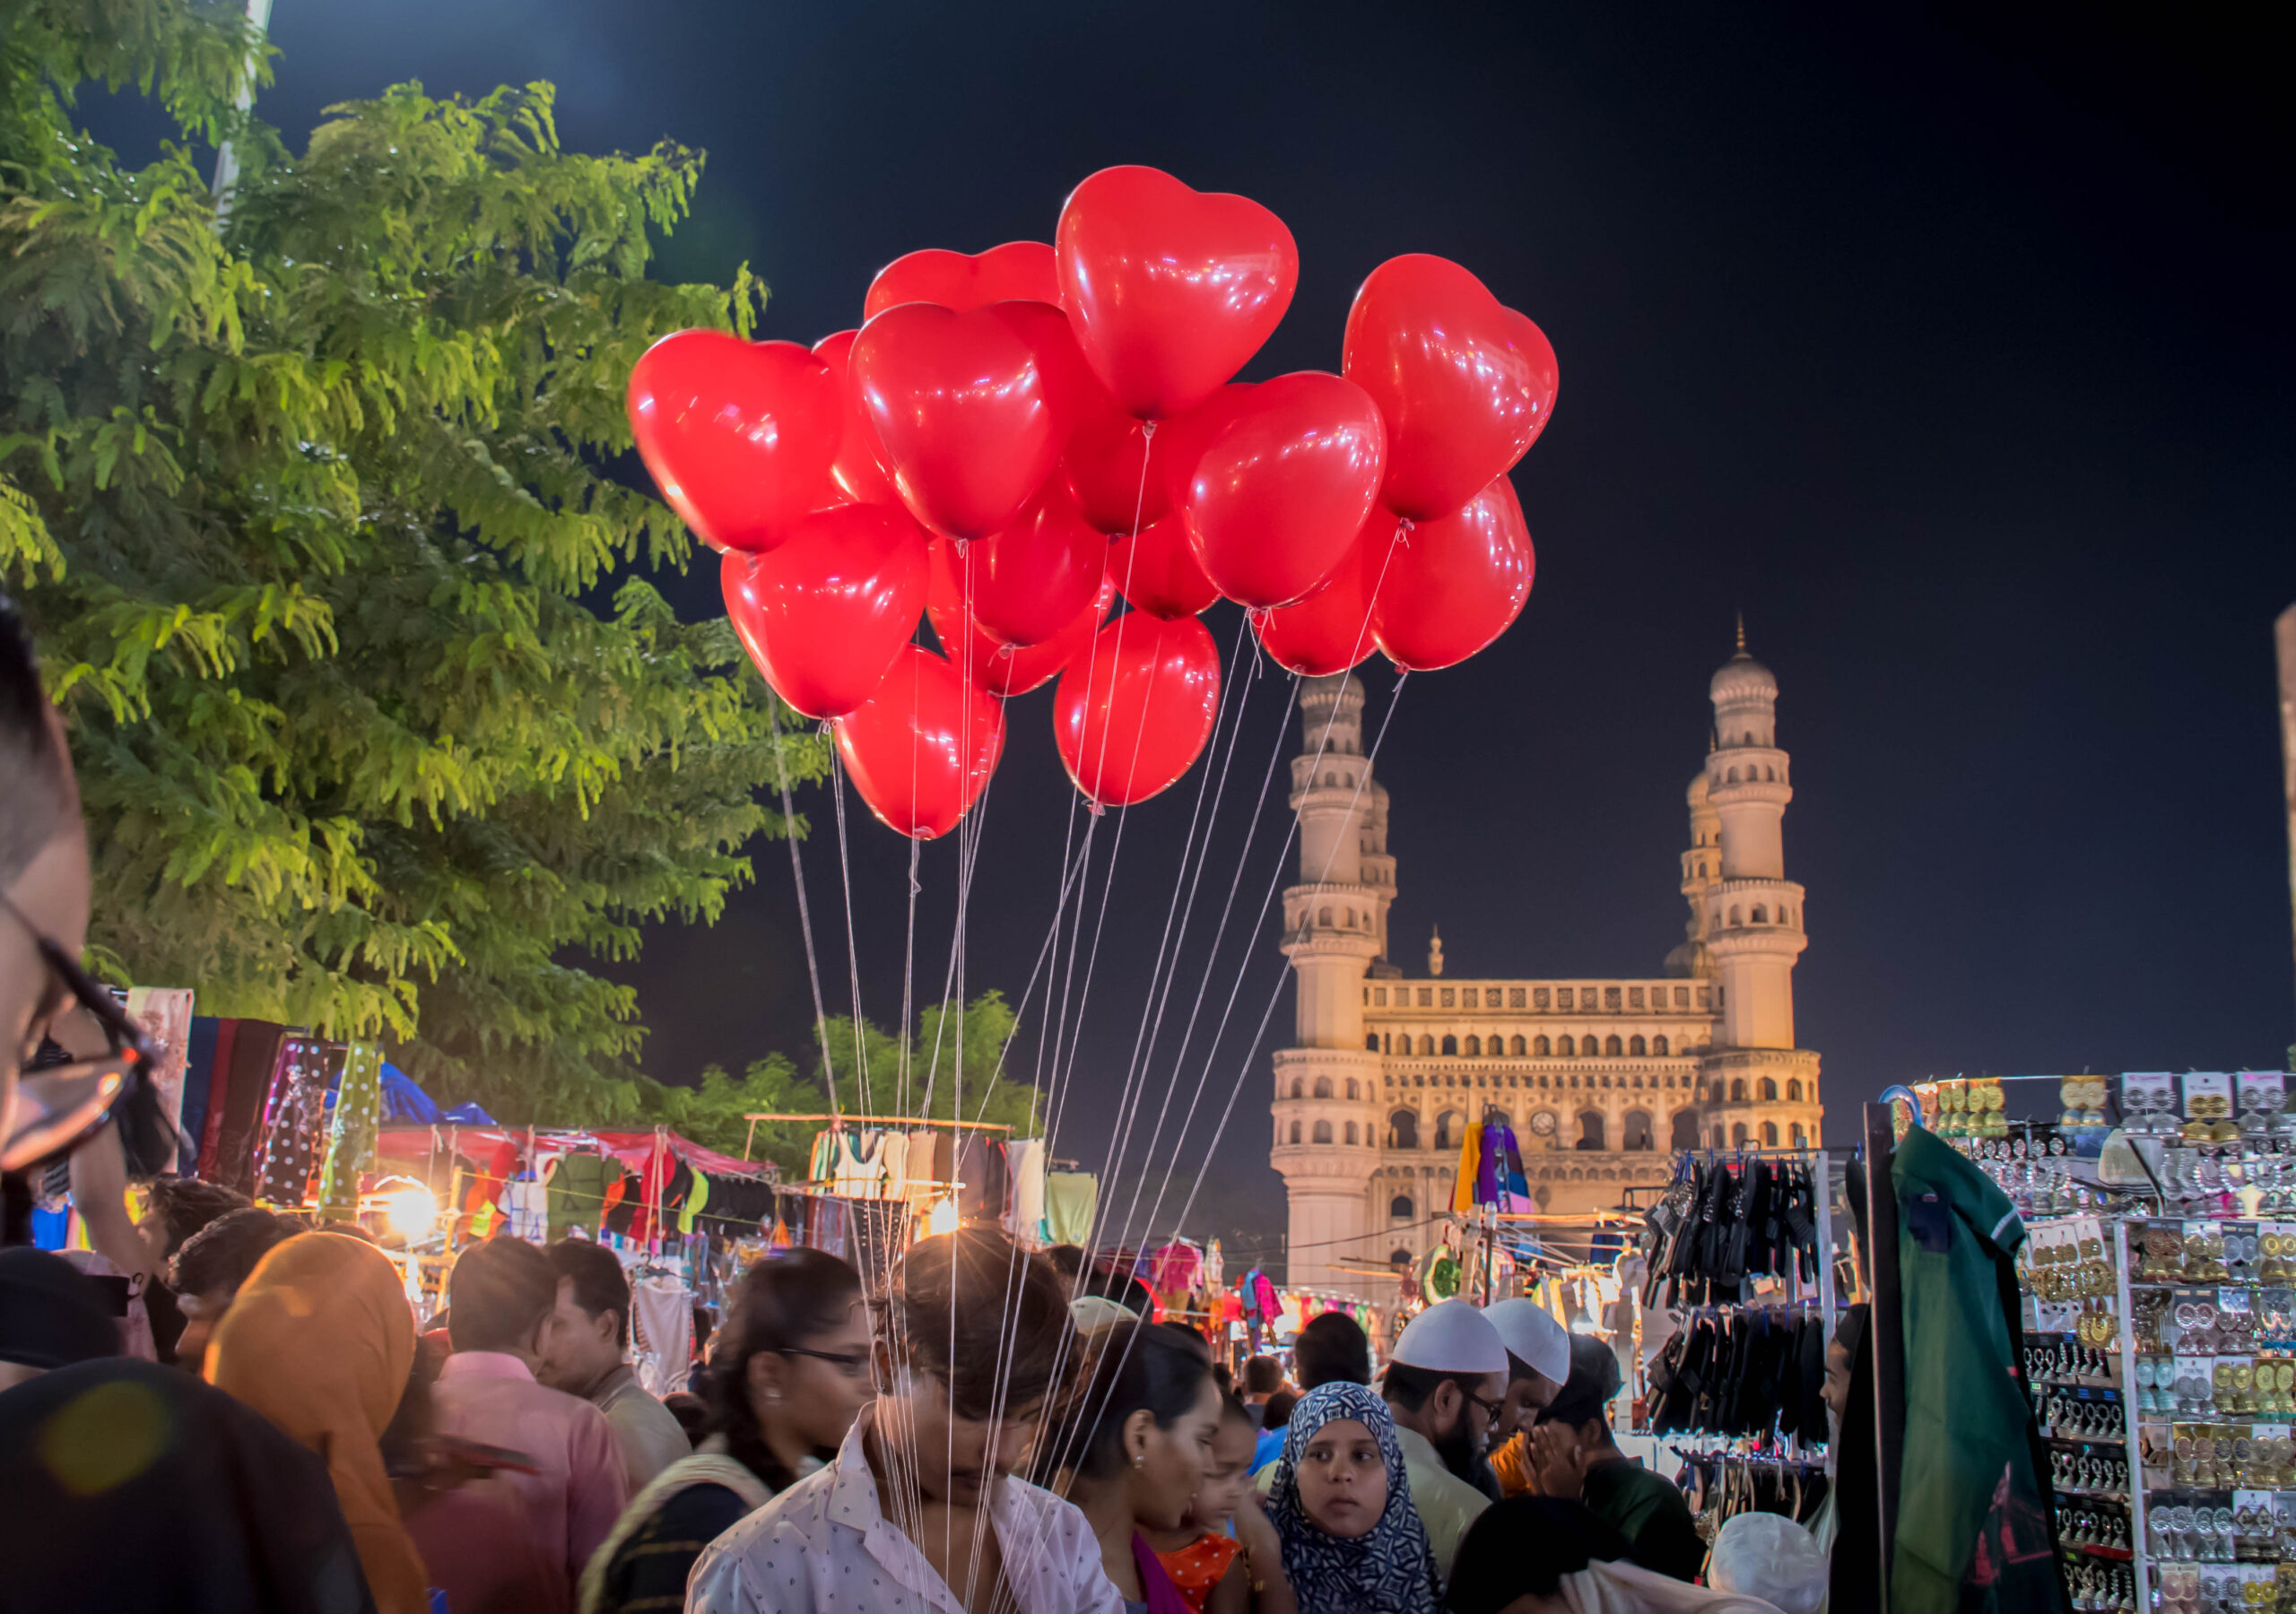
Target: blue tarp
468,1115
404,1102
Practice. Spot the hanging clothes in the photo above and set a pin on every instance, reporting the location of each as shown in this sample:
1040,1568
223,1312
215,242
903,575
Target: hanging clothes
1174,1269
654,1183
1025,1219
984,1181
292,1119
1470,1162
697,1196
577,1193
1215,1267
876,1233
827,1149
526,1201
1070,1198
923,1160
860,1169
351,1133
661,1329
894,1152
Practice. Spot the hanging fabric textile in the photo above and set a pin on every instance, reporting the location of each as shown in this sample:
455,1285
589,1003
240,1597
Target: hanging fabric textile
697,1195
985,1183
860,1171
661,1328
1215,1267
1174,1269
1070,1198
876,1233
1025,1219
654,1183
1490,1169
893,1152
924,1162
1519,1187
526,1201
1470,1162
293,1117
351,1134
823,1165
577,1192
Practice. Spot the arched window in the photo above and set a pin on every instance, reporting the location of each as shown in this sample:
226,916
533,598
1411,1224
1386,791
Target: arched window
1347,918
1349,1132
1323,1086
1299,1089
1371,1041
1733,916
1400,1209
1684,1133
1762,914
1542,1047
1450,1047
1718,1094
1738,1091
1701,870
1388,1043
1658,1046
1769,1090
1352,1090
1447,1130
1637,1133
1323,916
1718,1142
1295,1131
1426,1046
1403,1129
1568,1049
1637,1047
1738,1135
1515,1046
1793,1089
1322,1132
1611,1046
1590,1130
1768,773
1332,779
1769,1134
1475,1046
1733,778
1801,1140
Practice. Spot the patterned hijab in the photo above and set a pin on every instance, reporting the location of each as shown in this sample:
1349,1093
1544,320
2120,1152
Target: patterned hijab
1388,1571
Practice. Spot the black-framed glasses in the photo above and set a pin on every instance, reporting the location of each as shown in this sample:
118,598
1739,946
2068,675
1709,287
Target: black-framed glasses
62,1106
853,1363
1490,1409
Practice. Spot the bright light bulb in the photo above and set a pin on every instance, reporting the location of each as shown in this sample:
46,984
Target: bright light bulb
944,1219
411,1212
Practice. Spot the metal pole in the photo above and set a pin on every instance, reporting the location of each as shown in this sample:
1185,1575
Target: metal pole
227,163
2285,637
1886,1327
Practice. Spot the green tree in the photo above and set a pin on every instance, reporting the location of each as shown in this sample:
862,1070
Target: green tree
381,728
713,1112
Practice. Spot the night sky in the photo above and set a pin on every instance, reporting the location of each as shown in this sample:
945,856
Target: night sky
1954,351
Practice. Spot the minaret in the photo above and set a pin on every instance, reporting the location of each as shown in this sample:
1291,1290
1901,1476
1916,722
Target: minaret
1335,926
1754,913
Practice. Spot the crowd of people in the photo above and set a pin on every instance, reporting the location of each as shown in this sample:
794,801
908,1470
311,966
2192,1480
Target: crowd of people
980,1428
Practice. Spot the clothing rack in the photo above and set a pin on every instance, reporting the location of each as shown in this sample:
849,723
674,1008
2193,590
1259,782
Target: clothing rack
1885,1327
843,1119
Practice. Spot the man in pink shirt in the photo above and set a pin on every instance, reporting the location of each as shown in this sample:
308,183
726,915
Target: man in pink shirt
499,1297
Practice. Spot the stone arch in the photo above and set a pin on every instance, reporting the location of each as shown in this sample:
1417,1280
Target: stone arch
1323,1086
1801,1139
1403,1129
1354,1088
1637,1133
1769,1134
1426,1047
1566,1048
1295,1131
1793,1089
1542,1047
1760,914
1349,1132
1738,1090
1612,1047
1322,1133
1448,1129
1732,777
1298,1088
1371,1042
1591,1130
1769,1090
1515,1046
1738,1135
1323,915
1733,915
1450,1047
1658,1048
1474,1046
1683,1133
1637,1047
1401,1208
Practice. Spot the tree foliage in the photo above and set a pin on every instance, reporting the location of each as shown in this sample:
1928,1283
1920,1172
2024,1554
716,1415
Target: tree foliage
380,726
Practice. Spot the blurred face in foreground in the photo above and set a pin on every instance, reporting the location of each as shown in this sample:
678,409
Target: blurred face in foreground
952,1460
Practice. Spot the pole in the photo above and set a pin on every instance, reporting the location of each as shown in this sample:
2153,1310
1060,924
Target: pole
2285,637
227,161
1886,1327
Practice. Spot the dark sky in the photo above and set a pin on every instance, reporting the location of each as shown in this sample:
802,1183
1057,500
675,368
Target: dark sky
1954,349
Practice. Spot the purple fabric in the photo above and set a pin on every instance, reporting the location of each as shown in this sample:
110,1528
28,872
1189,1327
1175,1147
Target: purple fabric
1156,1583
1486,1170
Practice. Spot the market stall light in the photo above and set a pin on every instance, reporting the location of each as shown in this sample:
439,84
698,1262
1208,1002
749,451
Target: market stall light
411,1211
944,1219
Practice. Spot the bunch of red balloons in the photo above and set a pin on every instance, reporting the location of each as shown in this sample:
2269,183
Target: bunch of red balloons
1010,440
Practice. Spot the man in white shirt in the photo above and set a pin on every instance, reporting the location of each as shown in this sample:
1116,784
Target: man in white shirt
1445,1385
920,1510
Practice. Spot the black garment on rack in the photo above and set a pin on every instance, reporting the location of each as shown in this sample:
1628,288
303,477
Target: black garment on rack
1855,1586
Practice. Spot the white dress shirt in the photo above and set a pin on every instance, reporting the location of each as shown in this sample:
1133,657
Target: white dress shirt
825,1546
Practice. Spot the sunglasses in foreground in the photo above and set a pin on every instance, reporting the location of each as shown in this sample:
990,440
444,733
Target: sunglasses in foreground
62,1106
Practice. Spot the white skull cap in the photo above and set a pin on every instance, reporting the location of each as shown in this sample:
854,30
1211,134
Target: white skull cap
1532,1335
1452,1336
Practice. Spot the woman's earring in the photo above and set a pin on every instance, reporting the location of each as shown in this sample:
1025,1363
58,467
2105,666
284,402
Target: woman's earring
1139,1458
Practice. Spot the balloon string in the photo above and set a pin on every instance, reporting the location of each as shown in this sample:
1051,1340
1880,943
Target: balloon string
852,947
804,913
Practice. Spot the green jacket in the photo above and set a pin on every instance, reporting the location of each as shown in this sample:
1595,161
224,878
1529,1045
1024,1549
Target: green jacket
1975,1531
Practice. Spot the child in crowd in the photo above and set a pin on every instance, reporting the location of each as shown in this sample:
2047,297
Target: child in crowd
1225,1557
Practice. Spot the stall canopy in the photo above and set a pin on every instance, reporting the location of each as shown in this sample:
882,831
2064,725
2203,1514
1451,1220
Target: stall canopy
633,1149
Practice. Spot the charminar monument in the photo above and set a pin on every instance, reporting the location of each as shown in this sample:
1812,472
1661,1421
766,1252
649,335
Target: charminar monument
1601,1080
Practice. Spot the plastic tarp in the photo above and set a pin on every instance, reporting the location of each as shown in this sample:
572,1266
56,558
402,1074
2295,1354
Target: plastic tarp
632,1148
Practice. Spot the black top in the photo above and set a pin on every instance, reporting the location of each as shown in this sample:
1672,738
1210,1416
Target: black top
1651,1514
648,1575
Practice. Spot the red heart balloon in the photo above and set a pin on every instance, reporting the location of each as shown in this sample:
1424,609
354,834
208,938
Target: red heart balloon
858,471
824,614
1454,584
1028,582
1134,710
960,413
1172,289
1330,630
1464,384
1070,387
738,435
921,748
1158,572
1003,669
1103,463
1281,492
953,280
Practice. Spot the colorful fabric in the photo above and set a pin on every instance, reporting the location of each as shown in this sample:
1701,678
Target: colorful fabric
1198,1566
1388,1570
351,1135
1470,1162
1070,1198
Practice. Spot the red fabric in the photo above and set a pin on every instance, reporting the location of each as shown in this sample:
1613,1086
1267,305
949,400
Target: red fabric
218,1087
1196,1567
660,1165
487,1187
632,1148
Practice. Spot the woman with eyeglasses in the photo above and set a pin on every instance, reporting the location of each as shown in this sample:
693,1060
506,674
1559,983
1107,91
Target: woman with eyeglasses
790,1373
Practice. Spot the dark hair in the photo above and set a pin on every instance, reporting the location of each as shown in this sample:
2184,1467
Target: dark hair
1263,1375
600,1285
39,797
1134,1366
1409,1387
790,1297
1104,1279
1594,1380
1068,1260
186,1204
982,1315
1277,1413
222,1254
692,1412
1224,1376
1332,1349
1233,1406
1523,1546
497,1296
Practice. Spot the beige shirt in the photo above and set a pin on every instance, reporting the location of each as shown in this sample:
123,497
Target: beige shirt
1447,1503
649,1433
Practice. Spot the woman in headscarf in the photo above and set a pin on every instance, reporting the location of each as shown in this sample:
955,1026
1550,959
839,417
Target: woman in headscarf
1352,1542
791,1373
320,1341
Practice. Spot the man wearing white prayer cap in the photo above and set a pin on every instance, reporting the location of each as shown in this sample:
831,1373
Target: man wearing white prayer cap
1761,1555
1445,1385
1538,1361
